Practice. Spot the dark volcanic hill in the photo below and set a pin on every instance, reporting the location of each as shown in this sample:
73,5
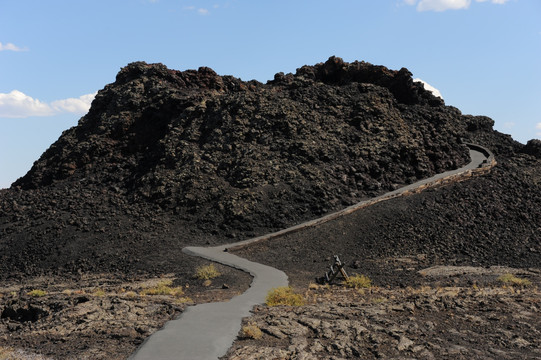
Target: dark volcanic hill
166,158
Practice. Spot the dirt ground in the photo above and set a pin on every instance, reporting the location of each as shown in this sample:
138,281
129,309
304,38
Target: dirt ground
445,312
99,316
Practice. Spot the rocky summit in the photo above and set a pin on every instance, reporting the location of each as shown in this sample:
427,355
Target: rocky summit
166,159
233,155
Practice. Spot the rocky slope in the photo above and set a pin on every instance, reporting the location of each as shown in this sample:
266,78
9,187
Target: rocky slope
164,156
493,219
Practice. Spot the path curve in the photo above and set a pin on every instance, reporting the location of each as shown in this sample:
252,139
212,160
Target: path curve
207,331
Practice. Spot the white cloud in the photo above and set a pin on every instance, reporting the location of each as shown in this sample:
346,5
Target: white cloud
538,127
429,87
494,1
509,125
11,47
17,104
74,105
203,11
443,5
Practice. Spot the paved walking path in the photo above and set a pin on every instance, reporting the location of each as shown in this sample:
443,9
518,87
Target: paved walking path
206,331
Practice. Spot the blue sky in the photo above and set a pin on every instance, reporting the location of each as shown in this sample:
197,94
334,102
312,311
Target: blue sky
483,56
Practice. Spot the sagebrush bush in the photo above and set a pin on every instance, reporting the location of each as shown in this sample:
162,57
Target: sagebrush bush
207,272
284,296
358,281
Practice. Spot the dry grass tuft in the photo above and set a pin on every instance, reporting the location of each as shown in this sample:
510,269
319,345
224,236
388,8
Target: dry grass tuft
164,288
130,294
184,300
251,332
510,279
99,293
37,293
207,272
284,296
358,282
313,286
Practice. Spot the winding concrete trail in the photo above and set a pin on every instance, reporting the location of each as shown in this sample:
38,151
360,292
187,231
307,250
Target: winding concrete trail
207,331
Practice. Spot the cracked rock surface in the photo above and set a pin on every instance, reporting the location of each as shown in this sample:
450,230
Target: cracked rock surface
426,322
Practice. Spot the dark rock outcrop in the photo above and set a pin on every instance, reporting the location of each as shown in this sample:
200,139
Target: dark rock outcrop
165,158
235,153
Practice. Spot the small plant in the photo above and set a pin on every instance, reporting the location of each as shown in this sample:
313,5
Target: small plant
358,282
37,293
164,288
130,294
312,286
99,293
184,300
251,332
207,272
510,279
284,296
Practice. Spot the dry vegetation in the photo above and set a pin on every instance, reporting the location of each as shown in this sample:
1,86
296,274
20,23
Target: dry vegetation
358,282
284,296
164,288
510,279
207,272
251,331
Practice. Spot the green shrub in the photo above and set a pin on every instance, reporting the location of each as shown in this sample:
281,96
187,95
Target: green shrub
284,296
206,272
358,281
